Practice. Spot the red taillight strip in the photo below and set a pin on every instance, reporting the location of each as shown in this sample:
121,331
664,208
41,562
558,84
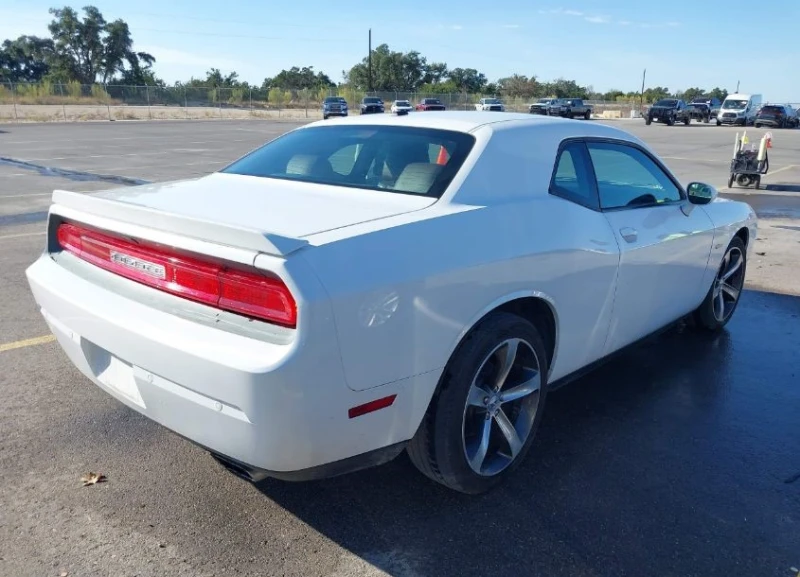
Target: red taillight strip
370,407
247,293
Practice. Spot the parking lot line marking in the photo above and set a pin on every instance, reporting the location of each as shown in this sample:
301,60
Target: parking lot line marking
25,195
781,169
27,343
23,234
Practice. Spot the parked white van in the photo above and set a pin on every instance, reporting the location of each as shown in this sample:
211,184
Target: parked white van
739,109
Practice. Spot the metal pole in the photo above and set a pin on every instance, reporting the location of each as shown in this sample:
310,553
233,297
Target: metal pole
641,98
185,103
370,60
108,104
63,106
250,91
14,100
219,100
147,92
737,87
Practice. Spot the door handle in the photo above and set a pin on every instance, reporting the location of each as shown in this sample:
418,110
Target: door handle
629,234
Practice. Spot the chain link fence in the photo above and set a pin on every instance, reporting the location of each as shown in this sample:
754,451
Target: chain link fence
20,102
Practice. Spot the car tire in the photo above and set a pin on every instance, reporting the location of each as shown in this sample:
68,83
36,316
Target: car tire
648,121
670,121
757,125
444,448
719,123
686,121
587,115
324,117
726,290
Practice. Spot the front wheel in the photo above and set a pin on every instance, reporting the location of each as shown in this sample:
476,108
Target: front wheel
686,120
484,415
723,296
719,123
587,115
648,121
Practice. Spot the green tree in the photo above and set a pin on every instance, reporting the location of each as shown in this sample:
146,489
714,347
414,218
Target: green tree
517,86
717,92
25,59
91,48
468,79
299,78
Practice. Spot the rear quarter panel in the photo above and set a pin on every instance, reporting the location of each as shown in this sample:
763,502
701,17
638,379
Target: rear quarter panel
405,293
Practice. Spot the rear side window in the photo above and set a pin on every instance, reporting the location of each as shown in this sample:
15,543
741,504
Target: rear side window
401,159
572,178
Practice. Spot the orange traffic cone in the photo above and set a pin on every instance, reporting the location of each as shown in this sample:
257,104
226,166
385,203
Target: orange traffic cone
443,156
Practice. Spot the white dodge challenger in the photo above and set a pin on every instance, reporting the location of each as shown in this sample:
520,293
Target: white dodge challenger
351,290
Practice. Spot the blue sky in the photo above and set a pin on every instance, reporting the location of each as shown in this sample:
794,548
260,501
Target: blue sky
682,43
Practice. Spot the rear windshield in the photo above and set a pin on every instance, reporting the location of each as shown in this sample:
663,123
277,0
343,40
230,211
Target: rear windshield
401,159
668,102
772,110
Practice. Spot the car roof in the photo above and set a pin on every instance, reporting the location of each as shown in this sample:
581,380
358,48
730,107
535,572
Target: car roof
457,120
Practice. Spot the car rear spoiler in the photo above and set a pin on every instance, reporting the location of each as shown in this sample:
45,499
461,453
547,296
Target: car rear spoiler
211,231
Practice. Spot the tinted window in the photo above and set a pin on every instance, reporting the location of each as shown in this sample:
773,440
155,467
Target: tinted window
627,177
572,178
668,103
772,110
391,158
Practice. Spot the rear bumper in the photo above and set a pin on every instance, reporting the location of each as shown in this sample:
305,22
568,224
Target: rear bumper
276,409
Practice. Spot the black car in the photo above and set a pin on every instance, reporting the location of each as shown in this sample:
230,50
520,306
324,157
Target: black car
334,106
669,111
777,115
371,105
713,104
699,111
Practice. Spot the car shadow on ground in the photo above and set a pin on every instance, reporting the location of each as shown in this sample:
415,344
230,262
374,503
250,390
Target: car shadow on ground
649,465
782,187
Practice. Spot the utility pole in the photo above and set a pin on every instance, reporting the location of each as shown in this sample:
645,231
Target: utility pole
737,87
370,60
641,99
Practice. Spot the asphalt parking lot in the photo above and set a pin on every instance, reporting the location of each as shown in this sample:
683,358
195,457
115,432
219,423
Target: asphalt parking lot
679,458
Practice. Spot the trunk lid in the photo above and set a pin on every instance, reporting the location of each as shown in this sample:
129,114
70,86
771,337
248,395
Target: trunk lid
263,214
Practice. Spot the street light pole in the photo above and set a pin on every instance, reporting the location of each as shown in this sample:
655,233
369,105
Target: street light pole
370,60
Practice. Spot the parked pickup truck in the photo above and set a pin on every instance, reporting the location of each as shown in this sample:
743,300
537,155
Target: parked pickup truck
669,111
699,111
548,106
430,104
575,108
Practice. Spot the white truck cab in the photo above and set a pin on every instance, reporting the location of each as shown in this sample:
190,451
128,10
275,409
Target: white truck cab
739,109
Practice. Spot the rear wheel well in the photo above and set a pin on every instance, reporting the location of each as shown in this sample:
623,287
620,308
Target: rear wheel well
538,312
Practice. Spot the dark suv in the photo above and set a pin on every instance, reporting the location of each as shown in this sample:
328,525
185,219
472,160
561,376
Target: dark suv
334,106
777,115
669,111
371,105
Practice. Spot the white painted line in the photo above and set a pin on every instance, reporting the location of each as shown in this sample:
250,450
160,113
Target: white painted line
23,235
2,196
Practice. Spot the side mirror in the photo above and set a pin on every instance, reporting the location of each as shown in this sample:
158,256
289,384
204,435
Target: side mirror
701,193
